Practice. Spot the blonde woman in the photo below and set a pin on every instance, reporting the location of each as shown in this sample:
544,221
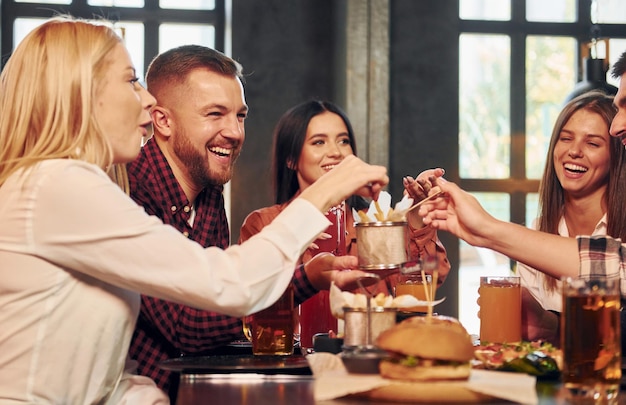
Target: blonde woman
76,251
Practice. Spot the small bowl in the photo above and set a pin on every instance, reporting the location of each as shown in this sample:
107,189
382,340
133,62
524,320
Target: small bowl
362,359
322,342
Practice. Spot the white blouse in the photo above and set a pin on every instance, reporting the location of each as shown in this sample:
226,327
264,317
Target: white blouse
75,251
533,279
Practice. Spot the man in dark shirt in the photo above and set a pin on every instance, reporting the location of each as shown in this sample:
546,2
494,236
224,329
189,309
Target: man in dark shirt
179,176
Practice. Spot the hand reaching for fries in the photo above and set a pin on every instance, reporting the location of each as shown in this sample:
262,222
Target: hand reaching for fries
420,188
325,268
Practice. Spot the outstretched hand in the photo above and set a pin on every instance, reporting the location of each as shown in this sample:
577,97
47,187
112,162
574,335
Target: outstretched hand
351,176
325,268
418,189
458,212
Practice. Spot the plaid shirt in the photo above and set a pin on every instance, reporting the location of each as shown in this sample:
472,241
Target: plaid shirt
166,329
602,256
605,256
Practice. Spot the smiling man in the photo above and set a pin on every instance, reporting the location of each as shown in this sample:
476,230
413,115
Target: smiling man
179,176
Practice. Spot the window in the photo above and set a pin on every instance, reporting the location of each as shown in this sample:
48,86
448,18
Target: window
148,27
518,60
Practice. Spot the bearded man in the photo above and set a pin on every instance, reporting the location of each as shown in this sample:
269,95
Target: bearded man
179,176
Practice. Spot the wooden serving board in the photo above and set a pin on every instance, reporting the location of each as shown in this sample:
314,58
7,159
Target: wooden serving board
414,392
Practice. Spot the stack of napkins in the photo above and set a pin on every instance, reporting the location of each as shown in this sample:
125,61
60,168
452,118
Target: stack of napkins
381,210
333,381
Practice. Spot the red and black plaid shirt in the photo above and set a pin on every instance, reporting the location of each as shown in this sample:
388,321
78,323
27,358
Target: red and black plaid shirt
166,329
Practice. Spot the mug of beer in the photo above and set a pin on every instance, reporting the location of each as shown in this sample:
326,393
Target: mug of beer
590,337
500,309
271,330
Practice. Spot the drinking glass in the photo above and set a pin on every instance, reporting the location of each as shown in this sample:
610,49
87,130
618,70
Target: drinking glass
590,338
271,330
413,284
315,314
336,244
500,309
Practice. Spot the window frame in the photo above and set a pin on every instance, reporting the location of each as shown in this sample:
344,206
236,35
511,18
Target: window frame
518,29
151,15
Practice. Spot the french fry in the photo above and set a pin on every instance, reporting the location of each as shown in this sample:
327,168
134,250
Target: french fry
429,296
390,214
379,211
363,216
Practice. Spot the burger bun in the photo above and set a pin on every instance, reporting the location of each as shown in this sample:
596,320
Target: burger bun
440,349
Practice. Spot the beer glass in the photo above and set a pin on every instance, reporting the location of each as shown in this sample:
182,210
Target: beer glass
413,284
590,338
500,309
271,330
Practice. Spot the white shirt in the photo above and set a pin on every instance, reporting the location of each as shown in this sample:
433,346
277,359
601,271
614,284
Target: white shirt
74,253
533,279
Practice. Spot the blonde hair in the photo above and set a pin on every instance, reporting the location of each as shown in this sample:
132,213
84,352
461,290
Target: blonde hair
47,92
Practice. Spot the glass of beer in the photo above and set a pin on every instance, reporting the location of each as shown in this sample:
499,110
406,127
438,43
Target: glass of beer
413,284
271,330
500,309
590,338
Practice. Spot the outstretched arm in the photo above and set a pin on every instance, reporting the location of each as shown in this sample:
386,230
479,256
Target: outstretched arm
461,214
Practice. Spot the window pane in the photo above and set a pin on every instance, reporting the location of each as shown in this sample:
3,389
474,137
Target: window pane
550,77
532,208
476,262
23,26
116,3
173,35
133,34
188,4
616,48
610,12
551,11
484,99
499,10
45,1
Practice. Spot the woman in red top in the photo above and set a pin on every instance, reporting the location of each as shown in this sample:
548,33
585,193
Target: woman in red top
310,139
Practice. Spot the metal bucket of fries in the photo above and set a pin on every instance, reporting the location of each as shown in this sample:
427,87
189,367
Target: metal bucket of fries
355,332
382,245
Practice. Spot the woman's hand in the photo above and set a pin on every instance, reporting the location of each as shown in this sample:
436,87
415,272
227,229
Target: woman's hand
325,268
420,187
351,176
460,213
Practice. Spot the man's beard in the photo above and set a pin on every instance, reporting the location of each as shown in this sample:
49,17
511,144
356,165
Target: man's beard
198,165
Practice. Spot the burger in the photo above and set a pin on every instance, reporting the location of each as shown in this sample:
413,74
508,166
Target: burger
426,349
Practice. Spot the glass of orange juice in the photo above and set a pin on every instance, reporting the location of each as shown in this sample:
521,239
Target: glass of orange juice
413,284
500,309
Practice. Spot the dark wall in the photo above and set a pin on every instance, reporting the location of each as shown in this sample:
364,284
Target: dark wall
296,50
287,50
424,103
